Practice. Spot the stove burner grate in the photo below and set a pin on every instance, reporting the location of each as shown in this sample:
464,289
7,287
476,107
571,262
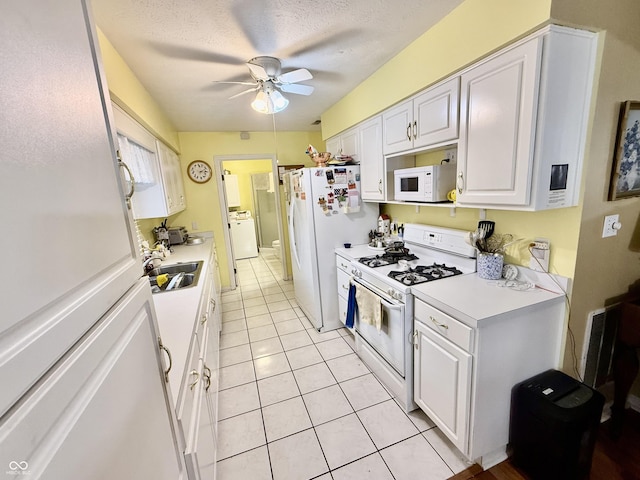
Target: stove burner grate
424,273
385,259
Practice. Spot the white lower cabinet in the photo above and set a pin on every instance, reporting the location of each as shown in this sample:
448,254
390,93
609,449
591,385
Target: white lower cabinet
198,400
442,383
344,275
103,410
465,366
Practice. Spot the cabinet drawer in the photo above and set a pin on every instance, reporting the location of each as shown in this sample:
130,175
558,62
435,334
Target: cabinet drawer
343,264
343,284
457,332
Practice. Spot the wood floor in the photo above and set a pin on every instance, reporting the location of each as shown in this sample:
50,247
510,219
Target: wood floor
612,460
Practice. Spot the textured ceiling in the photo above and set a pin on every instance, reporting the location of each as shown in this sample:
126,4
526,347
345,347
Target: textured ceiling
178,48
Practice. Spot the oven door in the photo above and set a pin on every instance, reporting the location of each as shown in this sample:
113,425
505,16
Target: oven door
390,341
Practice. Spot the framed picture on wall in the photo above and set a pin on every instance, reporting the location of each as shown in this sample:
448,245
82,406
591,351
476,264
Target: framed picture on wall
625,177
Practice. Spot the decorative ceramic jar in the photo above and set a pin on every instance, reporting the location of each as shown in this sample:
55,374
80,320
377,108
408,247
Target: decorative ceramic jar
490,265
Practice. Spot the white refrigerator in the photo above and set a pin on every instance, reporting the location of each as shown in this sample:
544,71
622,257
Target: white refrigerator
325,212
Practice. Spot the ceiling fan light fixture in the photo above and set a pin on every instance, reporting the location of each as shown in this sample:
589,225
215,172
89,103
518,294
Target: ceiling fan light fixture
261,103
279,101
269,101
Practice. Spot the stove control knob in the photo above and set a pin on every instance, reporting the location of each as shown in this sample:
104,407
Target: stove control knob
392,293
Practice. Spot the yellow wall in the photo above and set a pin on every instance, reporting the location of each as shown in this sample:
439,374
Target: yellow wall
605,267
244,169
471,31
202,200
126,90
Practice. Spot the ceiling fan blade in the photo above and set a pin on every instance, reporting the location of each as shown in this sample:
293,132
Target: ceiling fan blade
258,71
196,54
243,92
234,83
295,76
296,88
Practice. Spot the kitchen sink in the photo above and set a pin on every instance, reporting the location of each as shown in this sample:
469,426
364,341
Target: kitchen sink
180,276
186,267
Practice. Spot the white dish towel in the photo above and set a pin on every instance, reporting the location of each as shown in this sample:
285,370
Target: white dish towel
369,306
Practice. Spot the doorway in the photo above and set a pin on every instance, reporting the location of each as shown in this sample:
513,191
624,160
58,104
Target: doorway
256,197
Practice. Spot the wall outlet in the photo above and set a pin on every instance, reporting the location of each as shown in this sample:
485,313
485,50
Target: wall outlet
540,250
451,155
194,226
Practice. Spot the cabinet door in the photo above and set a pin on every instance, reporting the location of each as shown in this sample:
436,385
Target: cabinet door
442,384
332,145
435,114
497,131
232,190
398,123
171,179
350,143
75,256
372,160
103,411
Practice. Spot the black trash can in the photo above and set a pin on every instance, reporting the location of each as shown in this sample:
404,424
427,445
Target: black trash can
554,422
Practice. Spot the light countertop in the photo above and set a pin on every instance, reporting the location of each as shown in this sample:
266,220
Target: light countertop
176,310
472,299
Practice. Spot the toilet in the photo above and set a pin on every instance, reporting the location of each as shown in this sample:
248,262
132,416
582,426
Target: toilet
276,247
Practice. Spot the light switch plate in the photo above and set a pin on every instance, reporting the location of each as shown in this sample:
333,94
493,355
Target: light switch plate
608,230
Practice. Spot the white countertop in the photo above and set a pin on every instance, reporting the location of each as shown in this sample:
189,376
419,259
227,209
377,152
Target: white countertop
474,300
176,310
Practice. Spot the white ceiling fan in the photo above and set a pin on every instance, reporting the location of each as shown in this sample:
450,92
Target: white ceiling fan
268,79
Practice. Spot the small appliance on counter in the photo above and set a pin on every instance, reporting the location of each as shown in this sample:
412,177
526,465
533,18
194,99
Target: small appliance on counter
178,235
424,184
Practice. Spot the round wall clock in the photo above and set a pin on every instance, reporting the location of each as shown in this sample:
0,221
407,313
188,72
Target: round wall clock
199,171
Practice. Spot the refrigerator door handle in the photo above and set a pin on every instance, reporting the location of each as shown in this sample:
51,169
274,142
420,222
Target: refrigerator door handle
292,233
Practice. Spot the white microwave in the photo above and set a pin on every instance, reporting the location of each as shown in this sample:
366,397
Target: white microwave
424,184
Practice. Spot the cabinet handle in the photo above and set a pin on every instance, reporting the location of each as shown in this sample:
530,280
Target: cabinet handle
207,374
409,132
446,327
345,288
415,130
413,339
204,319
162,347
213,304
460,182
194,372
380,185
132,188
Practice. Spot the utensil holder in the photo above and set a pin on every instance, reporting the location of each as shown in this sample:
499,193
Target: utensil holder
490,265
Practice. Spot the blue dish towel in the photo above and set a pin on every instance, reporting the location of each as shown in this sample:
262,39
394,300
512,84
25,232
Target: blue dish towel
351,306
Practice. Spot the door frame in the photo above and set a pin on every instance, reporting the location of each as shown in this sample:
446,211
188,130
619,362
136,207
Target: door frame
222,198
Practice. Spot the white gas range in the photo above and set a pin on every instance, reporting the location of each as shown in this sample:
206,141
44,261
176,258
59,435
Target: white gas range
429,253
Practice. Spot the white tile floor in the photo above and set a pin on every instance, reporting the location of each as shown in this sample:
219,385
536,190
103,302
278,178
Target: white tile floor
298,404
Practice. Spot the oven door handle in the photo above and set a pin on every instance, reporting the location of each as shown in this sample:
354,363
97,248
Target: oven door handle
390,302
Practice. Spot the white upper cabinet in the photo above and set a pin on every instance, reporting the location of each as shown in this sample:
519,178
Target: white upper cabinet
159,190
232,190
524,113
371,160
345,143
429,118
